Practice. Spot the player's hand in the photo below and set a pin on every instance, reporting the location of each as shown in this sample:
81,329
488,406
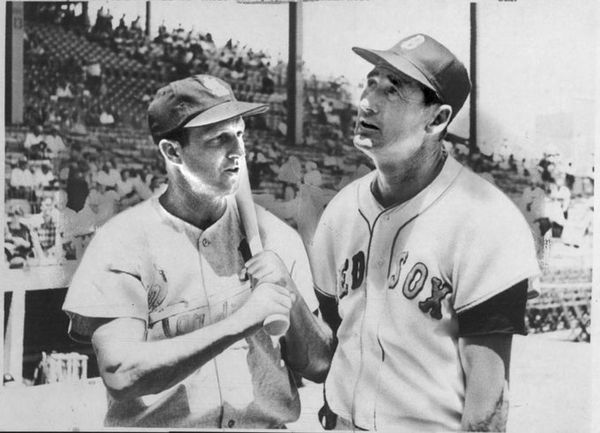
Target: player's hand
267,267
266,299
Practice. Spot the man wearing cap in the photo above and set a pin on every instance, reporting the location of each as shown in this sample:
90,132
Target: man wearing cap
163,291
424,298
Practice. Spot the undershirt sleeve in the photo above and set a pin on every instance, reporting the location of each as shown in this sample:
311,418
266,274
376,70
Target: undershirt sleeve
503,313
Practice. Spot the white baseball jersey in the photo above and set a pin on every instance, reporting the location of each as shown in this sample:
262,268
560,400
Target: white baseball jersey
145,263
401,275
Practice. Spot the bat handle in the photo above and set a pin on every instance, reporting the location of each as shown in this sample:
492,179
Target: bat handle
276,324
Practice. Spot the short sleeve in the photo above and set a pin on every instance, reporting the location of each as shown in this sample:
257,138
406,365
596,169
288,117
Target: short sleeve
321,257
106,284
495,251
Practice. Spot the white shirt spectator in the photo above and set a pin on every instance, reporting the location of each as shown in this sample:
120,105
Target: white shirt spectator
21,178
64,92
31,138
41,179
94,69
563,196
55,144
106,179
106,118
141,188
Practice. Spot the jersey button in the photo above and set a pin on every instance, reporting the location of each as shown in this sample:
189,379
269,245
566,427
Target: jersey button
205,242
231,423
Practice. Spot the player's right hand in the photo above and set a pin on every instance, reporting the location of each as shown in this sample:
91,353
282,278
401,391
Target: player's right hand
265,300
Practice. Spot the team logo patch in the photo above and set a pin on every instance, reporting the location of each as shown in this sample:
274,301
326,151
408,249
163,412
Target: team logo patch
157,292
156,295
412,43
217,88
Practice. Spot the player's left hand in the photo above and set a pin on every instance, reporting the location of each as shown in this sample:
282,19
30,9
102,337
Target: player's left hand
267,267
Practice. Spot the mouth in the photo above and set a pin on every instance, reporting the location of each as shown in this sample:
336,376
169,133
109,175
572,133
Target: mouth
232,170
364,125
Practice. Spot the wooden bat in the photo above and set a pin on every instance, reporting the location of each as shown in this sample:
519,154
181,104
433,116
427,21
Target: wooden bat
276,324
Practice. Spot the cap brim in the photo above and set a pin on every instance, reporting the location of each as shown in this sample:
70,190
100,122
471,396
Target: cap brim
394,61
225,111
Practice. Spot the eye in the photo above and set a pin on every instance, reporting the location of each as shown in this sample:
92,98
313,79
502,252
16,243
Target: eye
391,90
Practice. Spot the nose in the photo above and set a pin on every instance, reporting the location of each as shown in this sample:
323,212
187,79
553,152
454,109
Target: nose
367,104
237,149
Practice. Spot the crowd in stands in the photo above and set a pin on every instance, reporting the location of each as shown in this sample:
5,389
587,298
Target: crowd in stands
84,155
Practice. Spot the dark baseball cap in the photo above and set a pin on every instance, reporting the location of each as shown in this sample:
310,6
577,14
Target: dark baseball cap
195,101
430,63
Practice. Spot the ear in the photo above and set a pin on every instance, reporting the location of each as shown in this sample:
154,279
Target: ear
441,119
171,150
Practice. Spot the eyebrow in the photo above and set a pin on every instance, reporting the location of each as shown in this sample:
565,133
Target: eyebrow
395,79
215,132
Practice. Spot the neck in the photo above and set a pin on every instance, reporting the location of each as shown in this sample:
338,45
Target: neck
399,181
200,210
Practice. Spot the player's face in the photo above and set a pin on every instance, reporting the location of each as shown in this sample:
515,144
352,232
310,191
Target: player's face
392,115
211,159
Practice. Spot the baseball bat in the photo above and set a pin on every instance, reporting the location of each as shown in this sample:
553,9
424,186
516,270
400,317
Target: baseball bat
276,324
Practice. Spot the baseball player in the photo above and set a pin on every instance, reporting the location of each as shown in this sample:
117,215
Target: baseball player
163,291
425,281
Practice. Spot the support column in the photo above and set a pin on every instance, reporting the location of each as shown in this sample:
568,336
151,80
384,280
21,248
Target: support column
473,147
148,17
295,85
14,63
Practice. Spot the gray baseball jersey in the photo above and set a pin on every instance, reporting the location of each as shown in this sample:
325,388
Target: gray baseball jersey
145,263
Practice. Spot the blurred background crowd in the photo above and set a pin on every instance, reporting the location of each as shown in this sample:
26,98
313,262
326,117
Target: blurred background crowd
84,153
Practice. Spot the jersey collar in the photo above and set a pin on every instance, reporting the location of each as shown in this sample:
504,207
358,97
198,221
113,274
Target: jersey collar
225,223
371,208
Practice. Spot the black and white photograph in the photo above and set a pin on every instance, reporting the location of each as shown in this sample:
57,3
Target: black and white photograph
356,215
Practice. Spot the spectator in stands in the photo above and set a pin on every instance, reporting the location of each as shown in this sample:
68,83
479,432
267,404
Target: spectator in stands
122,31
136,26
21,180
125,186
103,203
43,178
108,176
313,175
290,175
63,90
569,176
34,139
93,72
18,244
106,117
77,188
45,235
562,194
54,142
